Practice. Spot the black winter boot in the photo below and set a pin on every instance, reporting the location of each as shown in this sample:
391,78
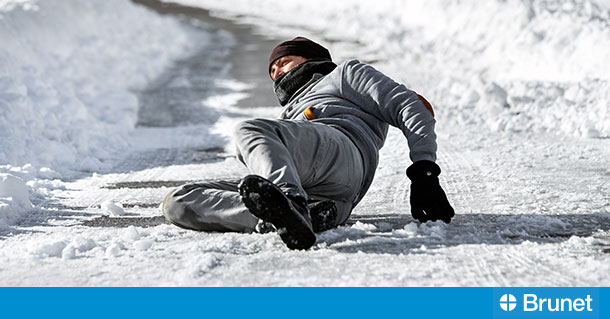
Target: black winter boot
289,214
323,215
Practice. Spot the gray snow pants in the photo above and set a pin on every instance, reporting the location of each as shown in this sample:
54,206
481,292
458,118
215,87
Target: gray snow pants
312,159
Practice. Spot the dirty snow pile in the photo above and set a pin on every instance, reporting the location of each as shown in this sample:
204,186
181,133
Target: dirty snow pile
67,71
510,65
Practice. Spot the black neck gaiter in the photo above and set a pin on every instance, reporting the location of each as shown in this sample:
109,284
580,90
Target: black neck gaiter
289,83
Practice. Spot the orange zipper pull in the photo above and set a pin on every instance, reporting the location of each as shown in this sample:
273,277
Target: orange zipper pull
309,113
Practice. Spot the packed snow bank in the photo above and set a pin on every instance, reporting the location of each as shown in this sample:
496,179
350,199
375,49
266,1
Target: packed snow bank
22,186
67,69
14,198
511,65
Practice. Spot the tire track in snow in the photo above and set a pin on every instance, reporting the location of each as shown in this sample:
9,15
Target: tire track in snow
459,172
463,172
537,268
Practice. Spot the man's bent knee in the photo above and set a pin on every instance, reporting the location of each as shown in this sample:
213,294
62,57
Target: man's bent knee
182,215
173,209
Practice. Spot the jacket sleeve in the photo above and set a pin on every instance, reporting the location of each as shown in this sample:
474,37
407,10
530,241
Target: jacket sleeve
393,103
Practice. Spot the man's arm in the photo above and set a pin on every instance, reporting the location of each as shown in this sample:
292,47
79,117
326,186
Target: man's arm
398,106
393,103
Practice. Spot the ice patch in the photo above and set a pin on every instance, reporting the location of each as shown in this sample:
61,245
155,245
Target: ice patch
384,226
542,222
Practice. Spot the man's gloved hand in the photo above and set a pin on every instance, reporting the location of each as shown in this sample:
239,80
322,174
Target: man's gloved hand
428,200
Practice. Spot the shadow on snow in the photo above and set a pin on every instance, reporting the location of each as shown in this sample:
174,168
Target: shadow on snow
400,234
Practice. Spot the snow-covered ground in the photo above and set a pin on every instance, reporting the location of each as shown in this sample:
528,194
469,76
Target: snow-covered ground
521,95
67,69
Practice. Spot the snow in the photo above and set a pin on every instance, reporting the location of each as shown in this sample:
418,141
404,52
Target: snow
518,64
520,89
65,90
66,84
112,208
14,198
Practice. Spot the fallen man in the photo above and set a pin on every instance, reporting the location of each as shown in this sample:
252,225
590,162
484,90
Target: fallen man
311,167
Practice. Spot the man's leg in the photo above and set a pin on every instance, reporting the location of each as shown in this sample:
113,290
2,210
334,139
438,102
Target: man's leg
217,206
304,158
209,206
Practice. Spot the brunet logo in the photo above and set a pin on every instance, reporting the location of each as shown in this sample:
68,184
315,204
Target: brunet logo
532,303
508,302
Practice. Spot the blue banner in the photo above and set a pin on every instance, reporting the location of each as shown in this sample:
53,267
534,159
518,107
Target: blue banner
303,302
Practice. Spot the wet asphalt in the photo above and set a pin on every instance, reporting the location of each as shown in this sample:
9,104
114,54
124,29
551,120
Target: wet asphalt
231,52
238,52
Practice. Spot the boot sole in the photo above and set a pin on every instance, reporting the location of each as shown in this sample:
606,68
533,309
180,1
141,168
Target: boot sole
267,202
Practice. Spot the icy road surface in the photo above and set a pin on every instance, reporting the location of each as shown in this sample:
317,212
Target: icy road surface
531,209
530,212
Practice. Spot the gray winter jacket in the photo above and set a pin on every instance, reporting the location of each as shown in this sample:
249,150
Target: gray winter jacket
361,102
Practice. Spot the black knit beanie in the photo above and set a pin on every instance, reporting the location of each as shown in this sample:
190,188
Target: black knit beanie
299,46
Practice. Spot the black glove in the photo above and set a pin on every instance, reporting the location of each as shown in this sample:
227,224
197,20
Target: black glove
428,200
